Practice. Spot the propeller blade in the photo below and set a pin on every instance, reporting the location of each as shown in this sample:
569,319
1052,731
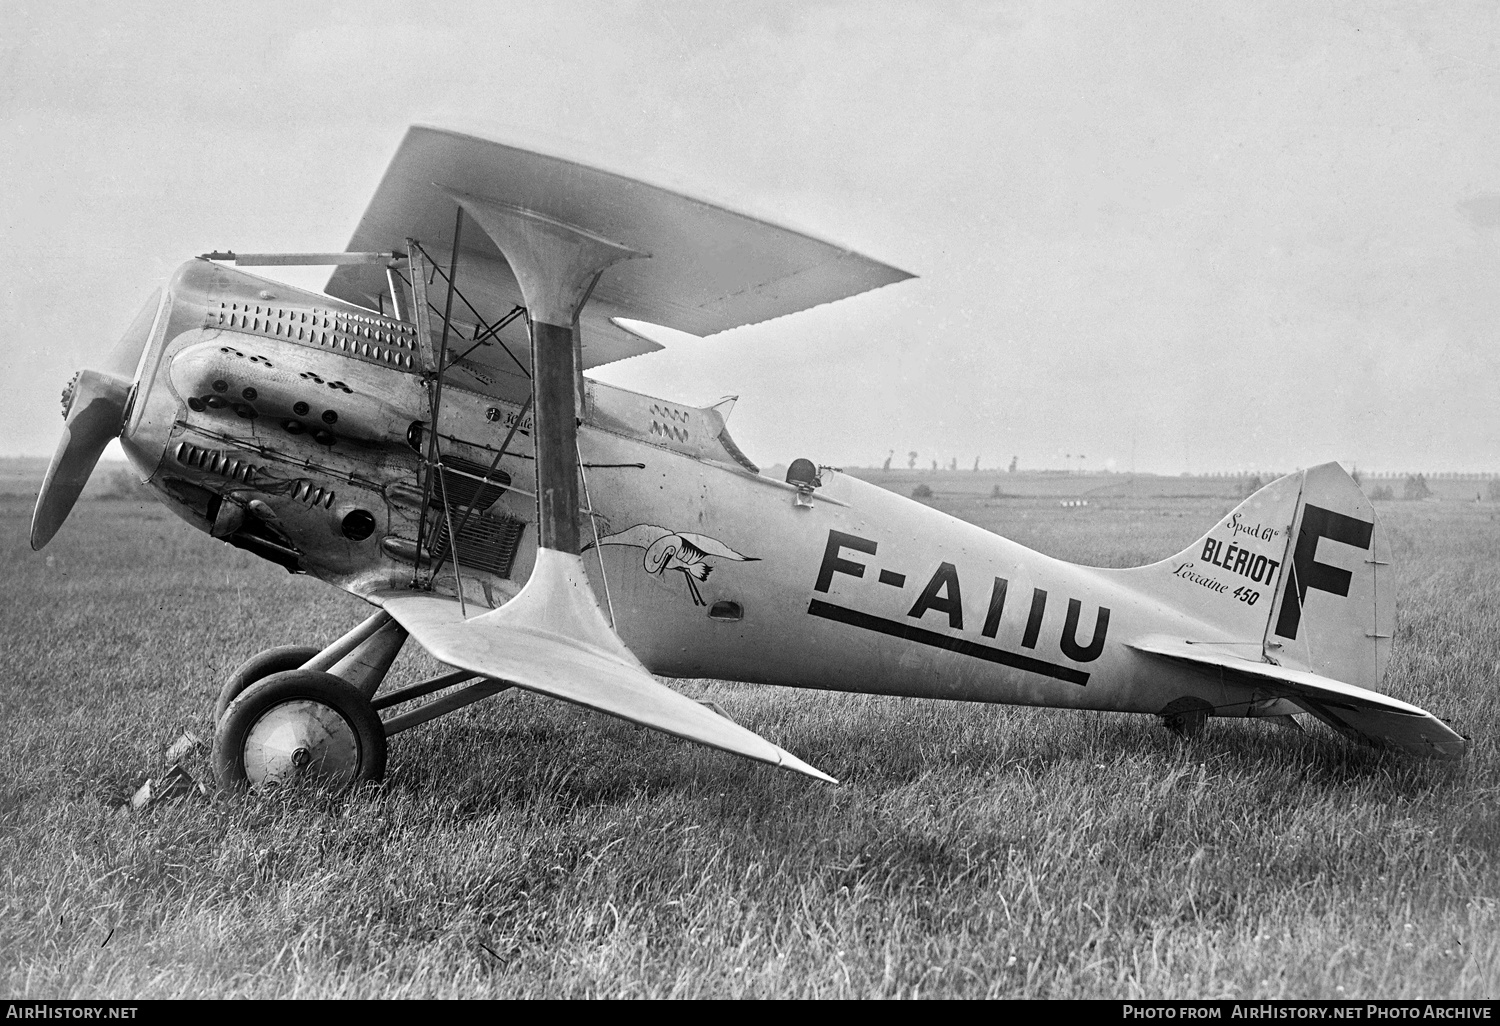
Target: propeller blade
95,416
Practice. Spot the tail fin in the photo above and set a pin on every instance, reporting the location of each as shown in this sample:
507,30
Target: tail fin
1297,569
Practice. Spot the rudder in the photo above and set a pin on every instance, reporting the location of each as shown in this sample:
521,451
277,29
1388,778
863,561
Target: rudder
1335,609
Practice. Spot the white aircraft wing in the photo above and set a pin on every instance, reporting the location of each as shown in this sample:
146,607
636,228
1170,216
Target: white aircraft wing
598,673
1344,707
709,268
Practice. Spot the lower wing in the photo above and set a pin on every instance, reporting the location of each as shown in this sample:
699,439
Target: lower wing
1351,710
595,672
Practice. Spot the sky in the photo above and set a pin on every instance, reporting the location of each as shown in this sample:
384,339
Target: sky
1150,236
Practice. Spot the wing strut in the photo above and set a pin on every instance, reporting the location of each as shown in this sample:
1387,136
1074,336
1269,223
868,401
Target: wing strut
556,266
553,636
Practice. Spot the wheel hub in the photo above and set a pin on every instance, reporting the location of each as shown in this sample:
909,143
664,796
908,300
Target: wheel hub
303,743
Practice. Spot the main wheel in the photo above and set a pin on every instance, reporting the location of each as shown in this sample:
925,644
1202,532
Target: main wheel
258,667
299,728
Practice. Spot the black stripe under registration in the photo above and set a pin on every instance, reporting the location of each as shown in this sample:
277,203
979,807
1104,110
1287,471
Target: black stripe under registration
922,636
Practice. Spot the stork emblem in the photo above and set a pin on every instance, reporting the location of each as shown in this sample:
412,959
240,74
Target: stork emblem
669,550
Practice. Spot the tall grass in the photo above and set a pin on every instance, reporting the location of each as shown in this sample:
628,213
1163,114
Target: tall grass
528,848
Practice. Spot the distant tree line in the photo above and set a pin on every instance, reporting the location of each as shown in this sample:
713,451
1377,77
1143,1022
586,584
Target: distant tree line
1413,488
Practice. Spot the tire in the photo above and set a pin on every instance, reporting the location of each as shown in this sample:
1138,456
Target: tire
1189,724
258,667
1186,716
299,728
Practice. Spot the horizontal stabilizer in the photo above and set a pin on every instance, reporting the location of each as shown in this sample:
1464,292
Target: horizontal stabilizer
1348,709
588,665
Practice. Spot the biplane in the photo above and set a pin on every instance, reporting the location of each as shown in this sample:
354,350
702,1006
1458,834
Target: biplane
423,435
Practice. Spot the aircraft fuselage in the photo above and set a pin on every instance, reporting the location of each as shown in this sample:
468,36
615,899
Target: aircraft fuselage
291,425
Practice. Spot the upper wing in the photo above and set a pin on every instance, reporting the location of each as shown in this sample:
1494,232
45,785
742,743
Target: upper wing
710,268
597,672
1345,707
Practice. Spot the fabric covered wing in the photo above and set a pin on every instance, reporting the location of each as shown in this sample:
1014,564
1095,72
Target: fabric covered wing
710,268
1349,709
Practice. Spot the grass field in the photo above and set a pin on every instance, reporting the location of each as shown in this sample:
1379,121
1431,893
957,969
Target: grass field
525,847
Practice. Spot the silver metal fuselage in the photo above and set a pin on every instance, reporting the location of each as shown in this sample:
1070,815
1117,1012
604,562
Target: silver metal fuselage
285,422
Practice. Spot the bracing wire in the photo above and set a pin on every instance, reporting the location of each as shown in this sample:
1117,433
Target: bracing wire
594,526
